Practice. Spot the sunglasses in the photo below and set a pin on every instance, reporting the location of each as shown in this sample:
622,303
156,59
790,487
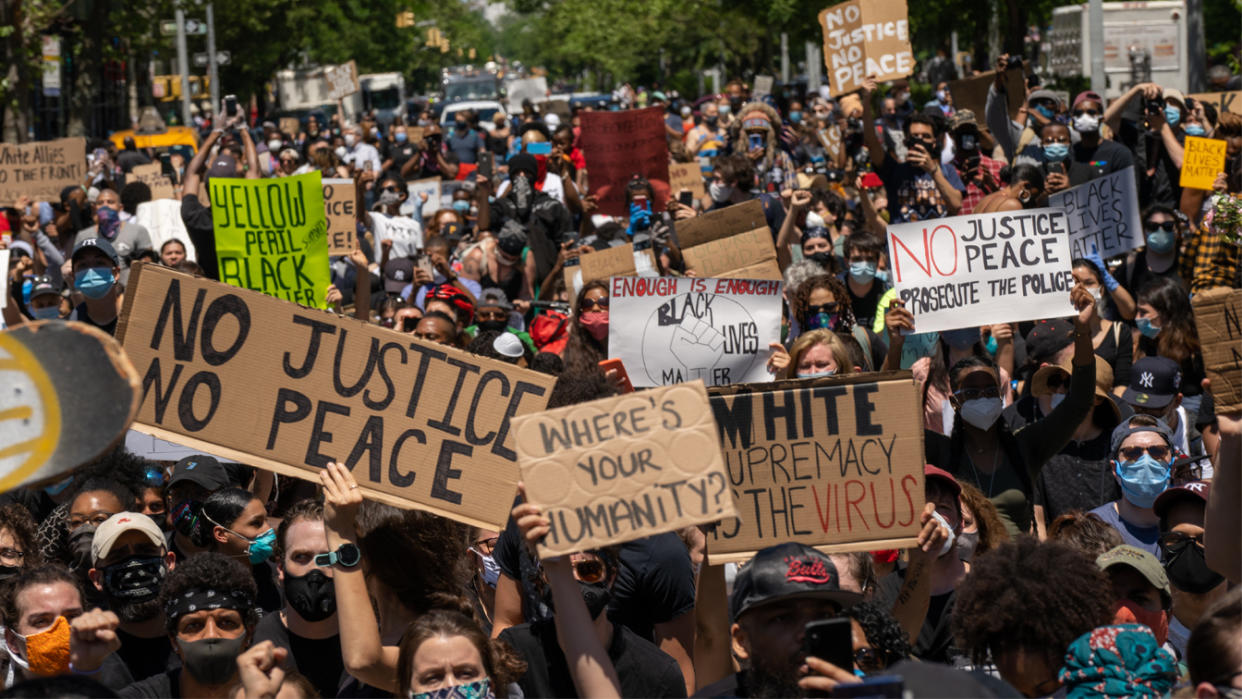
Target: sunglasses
590,570
390,189
493,315
1166,226
1091,112
822,308
588,304
966,394
870,660
1159,452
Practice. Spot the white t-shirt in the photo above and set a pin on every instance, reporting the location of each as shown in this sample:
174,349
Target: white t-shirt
552,186
363,153
405,233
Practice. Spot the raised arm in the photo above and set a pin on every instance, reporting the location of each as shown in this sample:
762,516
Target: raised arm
189,185
798,204
252,155
362,286
870,140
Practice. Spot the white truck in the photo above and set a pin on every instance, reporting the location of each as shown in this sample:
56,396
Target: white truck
303,91
1143,41
384,93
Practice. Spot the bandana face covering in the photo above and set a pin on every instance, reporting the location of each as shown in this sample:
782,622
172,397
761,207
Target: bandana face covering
46,653
481,689
109,222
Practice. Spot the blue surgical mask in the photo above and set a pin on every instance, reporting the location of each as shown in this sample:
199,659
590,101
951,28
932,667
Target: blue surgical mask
1161,241
1056,152
260,548
881,275
862,272
1146,328
795,117
1172,114
990,345
49,313
94,282
1195,130
1044,111
461,206
401,137
816,374
1143,480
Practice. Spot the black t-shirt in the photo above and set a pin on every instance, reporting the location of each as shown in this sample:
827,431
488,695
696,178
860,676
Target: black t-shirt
165,684
146,657
935,642
1136,274
82,315
269,599
319,659
644,669
1163,186
1086,164
400,153
864,306
199,226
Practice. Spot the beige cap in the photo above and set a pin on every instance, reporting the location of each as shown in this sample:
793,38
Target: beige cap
116,525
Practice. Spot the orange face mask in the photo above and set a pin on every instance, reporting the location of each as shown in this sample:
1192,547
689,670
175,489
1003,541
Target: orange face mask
45,653
1128,612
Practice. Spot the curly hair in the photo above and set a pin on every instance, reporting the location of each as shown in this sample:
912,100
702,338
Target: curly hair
883,632
308,509
38,575
420,557
21,526
502,664
992,532
1032,596
210,571
841,295
799,272
583,352
1085,532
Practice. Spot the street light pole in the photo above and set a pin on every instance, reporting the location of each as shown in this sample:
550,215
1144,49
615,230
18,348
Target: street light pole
184,64
211,57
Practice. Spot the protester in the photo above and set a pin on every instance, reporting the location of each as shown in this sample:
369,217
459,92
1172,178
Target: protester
1140,589
1155,390
1085,532
18,547
1214,656
1167,328
96,275
172,252
126,238
1142,452
1194,585
233,522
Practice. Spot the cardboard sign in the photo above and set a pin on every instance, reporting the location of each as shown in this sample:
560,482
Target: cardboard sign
830,139
617,145
162,219
53,417
832,463
865,37
686,176
1223,101
972,93
623,468
4,274
290,126
241,374
1204,159
1103,215
271,236
153,176
763,86
41,169
734,242
1218,315
617,261
413,200
533,89
339,203
669,330
967,271
342,80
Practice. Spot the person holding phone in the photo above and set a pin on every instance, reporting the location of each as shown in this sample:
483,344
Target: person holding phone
980,173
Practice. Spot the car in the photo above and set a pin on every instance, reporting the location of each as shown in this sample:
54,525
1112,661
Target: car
484,109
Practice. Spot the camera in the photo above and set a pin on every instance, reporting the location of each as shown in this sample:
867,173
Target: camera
1155,106
1013,63
968,142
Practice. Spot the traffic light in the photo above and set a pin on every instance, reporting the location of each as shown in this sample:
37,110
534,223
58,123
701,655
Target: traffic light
405,19
433,36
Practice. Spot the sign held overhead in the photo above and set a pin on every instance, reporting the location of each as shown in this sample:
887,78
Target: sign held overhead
865,37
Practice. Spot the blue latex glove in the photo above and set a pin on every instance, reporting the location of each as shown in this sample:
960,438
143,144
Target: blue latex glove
1109,282
640,218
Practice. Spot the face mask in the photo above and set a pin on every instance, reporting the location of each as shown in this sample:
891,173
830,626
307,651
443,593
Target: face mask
1143,480
711,121
274,145
961,338
400,137
94,282
7,572
795,117
940,95
1127,612
49,313
312,595
990,346
966,545
596,596
982,412
1097,292
523,194
950,541
1086,123
46,653
109,221
720,193
340,151
212,661
479,689
814,220
260,548
389,198
350,139
1161,241
1195,130
497,325
1188,571
862,272
1056,152
816,374
596,324
80,547
1172,114
461,206
724,109
823,258
134,580
1044,111
1145,327
491,569
818,317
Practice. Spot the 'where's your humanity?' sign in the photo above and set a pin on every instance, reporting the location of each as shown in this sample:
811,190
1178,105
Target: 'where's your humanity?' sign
272,236
249,377
968,271
865,37
1102,214
835,463
668,330
623,468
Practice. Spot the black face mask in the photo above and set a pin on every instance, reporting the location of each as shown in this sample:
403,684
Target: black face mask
312,595
1188,571
711,121
497,325
823,258
134,579
735,103
596,596
212,661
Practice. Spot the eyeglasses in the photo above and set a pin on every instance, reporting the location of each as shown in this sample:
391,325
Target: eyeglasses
1159,452
869,659
486,546
1091,112
11,555
966,394
588,303
96,520
589,570
1166,226
1172,542
288,161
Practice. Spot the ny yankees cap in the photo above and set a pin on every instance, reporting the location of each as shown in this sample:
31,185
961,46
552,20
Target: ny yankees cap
1154,382
784,572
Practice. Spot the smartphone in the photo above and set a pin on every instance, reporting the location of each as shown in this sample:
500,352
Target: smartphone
623,379
539,148
423,262
487,161
831,640
230,105
408,324
884,686
686,197
756,140
367,165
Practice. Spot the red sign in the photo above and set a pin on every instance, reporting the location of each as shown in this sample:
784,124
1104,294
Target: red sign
618,145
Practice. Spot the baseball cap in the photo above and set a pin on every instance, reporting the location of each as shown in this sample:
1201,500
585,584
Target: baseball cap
20,246
1146,564
224,165
943,476
1044,95
116,525
43,285
1126,428
100,244
962,117
1172,93
1088,95
493,298
1194,490
201,469
1154,382
785,572
398,273
1049,337
512,238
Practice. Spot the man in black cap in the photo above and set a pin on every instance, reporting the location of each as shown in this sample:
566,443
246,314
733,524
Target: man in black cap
193,480
45,298
1195,587
96,269
398,275
546,221
196,215
1153,390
